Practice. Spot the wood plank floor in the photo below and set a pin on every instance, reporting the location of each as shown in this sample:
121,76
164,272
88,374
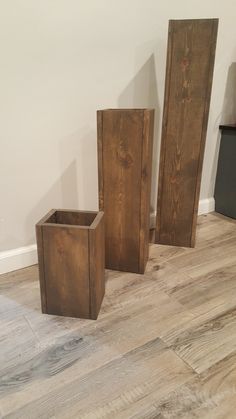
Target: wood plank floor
164,345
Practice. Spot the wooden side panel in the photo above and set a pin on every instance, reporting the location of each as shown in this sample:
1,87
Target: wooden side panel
148,126
97,267
40,249
100,160
120,186
66,267
190,61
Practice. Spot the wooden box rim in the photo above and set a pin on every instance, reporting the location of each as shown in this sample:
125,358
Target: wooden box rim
92,226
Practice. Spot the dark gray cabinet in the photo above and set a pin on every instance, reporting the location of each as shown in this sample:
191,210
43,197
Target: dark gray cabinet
225,188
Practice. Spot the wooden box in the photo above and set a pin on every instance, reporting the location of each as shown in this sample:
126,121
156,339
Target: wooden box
125,138
71,262
189,72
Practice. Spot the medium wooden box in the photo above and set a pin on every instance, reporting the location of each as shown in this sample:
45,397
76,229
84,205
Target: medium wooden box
125,138
71,262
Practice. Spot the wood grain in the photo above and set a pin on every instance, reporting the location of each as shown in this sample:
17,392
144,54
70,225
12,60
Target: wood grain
66,258
208,395
164,344
136,376
190,62
124,163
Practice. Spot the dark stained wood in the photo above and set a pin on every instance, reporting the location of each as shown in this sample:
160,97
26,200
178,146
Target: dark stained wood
100,159
71,263
97,253
124,164
148,126
189,72
67,270
39,237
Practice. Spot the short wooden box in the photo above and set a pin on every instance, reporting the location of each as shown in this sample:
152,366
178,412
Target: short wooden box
125,138
71,262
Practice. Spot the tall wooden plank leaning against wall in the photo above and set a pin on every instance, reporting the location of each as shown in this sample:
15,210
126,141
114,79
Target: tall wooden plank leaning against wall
189,72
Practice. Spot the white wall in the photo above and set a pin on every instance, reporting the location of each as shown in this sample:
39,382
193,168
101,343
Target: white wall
62,60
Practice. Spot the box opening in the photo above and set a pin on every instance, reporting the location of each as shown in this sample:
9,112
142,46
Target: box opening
72,218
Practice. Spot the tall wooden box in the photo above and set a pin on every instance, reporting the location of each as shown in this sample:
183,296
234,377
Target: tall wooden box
71,262
125,138
189,73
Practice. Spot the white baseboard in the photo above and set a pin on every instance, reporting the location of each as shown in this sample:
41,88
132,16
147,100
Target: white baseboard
153,220
11,260
205,206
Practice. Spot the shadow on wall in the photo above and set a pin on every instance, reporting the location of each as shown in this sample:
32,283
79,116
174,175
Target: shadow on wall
77,185
82,145
88,171
69,190
63,194
228,115
78,159
142,92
